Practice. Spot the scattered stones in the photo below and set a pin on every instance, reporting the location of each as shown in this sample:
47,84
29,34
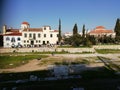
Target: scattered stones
33,78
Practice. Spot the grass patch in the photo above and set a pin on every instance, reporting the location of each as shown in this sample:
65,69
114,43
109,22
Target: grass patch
14,61
73,47
34,53
44,52
84,52
105,51
67,61
70,61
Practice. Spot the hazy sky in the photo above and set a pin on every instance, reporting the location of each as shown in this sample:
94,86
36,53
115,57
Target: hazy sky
38,13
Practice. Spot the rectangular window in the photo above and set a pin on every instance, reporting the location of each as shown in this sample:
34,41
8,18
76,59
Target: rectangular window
7,39
57,35
18,38
25,35
47,42
44,35
13,39
30,35
51,35
34,36
39,35
24,41
44,28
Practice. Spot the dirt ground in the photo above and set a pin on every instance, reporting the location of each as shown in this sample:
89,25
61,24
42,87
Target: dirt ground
34,64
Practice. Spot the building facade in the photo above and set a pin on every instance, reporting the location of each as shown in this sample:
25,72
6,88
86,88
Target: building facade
12,40
100,31
29,37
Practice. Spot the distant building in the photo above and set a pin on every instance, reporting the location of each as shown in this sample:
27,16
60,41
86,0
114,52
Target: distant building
100,31
29,37
68,34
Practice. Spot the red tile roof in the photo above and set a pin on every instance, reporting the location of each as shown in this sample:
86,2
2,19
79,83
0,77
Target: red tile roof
13,34
55,30
34,29
12,30
25,23
100,29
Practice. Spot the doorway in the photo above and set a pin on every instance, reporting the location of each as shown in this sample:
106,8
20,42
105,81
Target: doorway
32,42
43,42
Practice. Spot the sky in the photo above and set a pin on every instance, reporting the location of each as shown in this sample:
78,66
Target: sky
38,13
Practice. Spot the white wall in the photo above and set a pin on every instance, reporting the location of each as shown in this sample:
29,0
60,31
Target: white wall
47,31
8,43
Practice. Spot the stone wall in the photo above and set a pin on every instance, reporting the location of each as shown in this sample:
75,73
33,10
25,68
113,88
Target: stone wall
52,49
106,46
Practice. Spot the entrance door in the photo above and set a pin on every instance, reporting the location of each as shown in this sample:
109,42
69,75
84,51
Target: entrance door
32,42
43,42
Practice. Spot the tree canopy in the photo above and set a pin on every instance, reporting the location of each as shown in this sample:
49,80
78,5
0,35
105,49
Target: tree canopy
117,30
59,35
117,27
75,29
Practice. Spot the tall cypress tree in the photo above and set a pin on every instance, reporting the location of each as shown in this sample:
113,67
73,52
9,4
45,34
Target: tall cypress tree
75,30
117,28
59,35
83,32
83,35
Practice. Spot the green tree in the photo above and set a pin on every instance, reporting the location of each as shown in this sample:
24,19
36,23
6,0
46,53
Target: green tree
75,30
117,30
83,32
59,35
76,40
92,39
68,40
83,35
87,42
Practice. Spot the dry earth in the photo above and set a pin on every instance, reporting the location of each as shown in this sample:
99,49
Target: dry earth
34,64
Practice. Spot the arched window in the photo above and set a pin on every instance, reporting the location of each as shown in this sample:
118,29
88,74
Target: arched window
18,38
13,39
7,38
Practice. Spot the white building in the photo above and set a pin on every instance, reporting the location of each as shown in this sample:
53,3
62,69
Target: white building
68,34
12,40
29,37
